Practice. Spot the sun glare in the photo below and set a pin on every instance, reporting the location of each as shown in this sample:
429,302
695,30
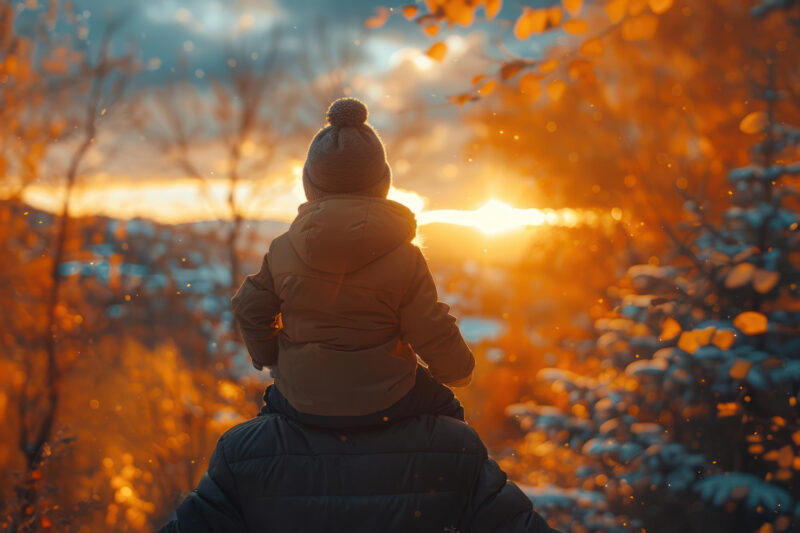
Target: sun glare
415,202
414,56
177,201
497,217
423,62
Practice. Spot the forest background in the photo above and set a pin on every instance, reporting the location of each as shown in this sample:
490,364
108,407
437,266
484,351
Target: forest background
607,192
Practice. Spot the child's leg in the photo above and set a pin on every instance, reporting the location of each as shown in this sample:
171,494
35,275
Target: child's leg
427,397
276,403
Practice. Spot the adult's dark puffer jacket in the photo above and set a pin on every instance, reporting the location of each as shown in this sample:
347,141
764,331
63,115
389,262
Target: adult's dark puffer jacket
421,474
355,297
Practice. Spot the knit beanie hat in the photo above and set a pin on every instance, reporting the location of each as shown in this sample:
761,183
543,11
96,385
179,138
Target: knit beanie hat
347,156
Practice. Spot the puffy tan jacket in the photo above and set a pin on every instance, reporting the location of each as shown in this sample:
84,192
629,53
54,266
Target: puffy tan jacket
341,303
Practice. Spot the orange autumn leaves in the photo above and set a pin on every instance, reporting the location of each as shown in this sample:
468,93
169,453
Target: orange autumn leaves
721,338
533,21
636,20
636,16
755,122
592,47
618,9
461,12
751,323
379,19
748,322
639,25
690,341
744,274
437,51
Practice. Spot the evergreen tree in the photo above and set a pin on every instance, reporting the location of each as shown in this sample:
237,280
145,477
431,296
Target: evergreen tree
681,412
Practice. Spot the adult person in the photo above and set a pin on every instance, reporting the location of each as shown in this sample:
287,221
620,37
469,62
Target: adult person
426,473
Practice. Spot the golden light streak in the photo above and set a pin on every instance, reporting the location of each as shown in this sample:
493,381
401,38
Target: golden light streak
181,200
168,201
497,217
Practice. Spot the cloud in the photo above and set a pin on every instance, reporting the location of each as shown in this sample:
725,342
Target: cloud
410,77
217,19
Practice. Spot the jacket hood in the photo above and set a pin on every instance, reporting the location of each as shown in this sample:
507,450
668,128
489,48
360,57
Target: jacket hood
343,233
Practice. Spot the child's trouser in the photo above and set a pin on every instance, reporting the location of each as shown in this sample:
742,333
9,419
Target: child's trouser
428,396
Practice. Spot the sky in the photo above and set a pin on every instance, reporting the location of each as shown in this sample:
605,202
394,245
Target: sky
203,31
163,28
393,76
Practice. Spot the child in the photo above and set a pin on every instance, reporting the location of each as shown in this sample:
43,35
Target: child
343,300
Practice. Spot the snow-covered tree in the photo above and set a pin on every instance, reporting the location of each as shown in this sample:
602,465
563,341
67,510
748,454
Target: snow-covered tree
681,411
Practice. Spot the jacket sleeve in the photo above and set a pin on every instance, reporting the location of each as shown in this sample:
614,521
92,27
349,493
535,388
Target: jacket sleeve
497,504
430,329
256,307
211,507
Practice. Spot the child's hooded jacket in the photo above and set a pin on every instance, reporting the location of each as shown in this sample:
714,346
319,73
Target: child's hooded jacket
352,293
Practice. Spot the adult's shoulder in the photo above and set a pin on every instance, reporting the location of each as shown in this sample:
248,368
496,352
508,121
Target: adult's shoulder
443,433
263,436
273,435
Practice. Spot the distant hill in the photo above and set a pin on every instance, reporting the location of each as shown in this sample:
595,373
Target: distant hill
266,229
168,282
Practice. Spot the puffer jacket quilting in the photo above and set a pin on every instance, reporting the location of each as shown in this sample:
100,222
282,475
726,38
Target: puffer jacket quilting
426,474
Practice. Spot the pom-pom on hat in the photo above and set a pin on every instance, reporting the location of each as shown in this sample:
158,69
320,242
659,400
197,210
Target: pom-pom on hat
347,112
347,156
